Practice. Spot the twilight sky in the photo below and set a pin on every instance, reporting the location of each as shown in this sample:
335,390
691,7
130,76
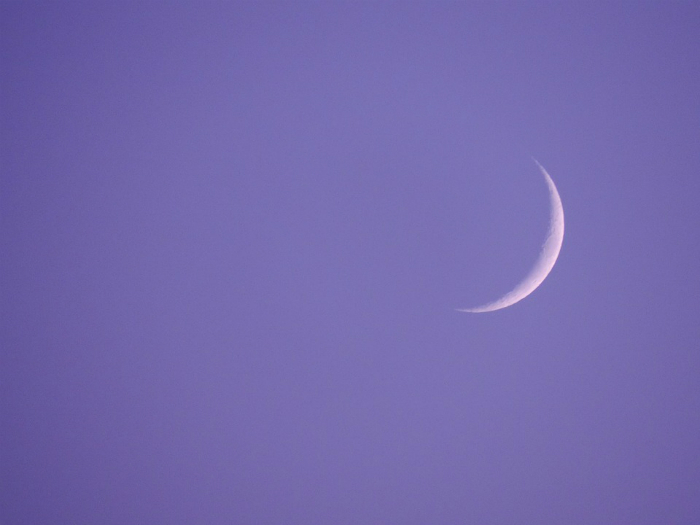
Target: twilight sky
234,236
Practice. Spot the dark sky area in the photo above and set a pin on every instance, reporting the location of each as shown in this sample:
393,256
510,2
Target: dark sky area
234,236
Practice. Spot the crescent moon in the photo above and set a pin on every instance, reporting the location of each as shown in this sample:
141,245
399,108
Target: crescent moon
546,260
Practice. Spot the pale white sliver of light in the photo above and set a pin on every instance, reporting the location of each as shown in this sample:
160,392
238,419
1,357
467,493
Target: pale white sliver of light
545,261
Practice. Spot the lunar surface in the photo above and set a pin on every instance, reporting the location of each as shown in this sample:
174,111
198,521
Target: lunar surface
546,260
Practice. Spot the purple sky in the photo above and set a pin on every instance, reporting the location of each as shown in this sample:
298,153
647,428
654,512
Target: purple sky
234,235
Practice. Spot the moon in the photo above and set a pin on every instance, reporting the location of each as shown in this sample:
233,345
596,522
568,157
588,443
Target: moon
546,260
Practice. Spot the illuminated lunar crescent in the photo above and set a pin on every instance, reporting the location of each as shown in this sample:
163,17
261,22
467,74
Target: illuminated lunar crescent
545,261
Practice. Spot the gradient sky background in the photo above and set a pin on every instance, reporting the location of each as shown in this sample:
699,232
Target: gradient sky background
234,236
